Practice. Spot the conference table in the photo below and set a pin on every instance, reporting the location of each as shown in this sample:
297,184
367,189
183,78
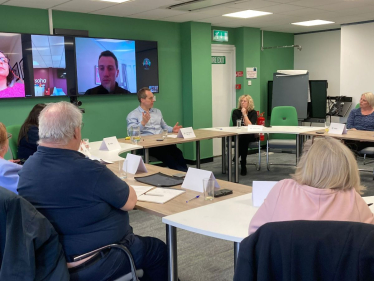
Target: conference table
294,130
148,142
350,135
177,205
112,155
228,220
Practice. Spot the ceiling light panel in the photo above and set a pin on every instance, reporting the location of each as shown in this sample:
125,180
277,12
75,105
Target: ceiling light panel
247,14
313,22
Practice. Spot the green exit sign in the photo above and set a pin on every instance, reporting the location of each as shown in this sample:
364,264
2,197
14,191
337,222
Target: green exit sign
220,35
218,60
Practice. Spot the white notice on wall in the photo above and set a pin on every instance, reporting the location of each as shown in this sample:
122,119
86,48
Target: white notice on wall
251,72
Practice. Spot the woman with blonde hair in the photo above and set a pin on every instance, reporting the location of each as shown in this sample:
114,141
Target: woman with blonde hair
325,186
8,170
361,118
247,116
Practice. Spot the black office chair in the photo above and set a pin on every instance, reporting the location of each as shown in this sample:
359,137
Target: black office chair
308,251
252,145
29,245
133,275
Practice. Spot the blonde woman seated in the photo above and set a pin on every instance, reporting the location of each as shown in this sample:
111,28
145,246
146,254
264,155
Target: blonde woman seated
325,186
247,116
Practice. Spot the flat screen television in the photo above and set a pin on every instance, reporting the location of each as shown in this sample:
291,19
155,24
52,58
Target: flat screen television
34,66
113,66
12,83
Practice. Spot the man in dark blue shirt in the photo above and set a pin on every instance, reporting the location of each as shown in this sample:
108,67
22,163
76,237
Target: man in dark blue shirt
85,202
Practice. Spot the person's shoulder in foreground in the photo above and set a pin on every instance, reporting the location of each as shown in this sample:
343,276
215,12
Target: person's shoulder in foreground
318,191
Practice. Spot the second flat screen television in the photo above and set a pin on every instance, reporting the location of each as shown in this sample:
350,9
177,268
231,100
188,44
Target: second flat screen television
113,66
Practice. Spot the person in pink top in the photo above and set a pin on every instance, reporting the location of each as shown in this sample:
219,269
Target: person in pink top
325,186
6,80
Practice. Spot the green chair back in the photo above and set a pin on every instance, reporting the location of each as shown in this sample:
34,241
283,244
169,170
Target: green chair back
357,105
13,145
283,116
231,117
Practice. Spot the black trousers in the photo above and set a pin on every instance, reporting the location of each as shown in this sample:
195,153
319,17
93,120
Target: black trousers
244,141
171,156
356,146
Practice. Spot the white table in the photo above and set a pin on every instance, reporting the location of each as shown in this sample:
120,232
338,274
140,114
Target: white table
228,220
295,130
112,155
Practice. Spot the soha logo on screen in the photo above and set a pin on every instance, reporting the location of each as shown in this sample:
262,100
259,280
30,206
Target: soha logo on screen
40,81
146,63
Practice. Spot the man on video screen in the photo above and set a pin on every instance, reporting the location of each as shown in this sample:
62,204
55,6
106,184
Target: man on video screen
108,72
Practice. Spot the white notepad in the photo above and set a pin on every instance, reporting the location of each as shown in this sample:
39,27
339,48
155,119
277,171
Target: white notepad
160,195
140,189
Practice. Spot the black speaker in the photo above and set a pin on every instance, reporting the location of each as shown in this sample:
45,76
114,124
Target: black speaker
72,32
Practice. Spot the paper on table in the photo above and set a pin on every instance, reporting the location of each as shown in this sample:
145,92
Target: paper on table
260,190
141,189
160,195
172,136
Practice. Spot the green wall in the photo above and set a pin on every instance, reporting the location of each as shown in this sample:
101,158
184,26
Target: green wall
197,82
105,116
184,51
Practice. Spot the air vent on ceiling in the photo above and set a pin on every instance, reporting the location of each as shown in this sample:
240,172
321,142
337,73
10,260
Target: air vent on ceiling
194,5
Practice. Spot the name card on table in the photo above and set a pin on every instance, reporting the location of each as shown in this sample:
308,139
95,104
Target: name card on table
134,164
255,128
337,128
186,133
194,179
109,144
260,190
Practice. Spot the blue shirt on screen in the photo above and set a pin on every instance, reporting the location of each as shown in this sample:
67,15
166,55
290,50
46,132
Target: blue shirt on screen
80,197
154,125
9,175
360,122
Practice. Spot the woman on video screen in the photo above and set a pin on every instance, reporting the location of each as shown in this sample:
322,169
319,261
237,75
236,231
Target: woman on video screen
9,89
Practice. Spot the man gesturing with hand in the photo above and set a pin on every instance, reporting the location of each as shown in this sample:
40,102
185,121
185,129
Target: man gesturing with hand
151,122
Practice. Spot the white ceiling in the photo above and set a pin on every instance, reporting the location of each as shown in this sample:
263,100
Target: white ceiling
284,11
48,51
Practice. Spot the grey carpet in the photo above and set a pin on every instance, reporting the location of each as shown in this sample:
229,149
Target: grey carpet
202,258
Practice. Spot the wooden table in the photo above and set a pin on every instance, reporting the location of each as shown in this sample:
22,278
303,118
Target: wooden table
151,141
351,135
178,205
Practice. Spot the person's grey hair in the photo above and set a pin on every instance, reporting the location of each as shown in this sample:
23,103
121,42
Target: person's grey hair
57,123
369,97
328,164
142,93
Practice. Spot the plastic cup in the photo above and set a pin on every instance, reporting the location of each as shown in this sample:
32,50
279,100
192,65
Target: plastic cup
122,169
208,185
86,143
164,133
238,123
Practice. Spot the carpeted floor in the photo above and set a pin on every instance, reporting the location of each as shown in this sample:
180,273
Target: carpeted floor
202,258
